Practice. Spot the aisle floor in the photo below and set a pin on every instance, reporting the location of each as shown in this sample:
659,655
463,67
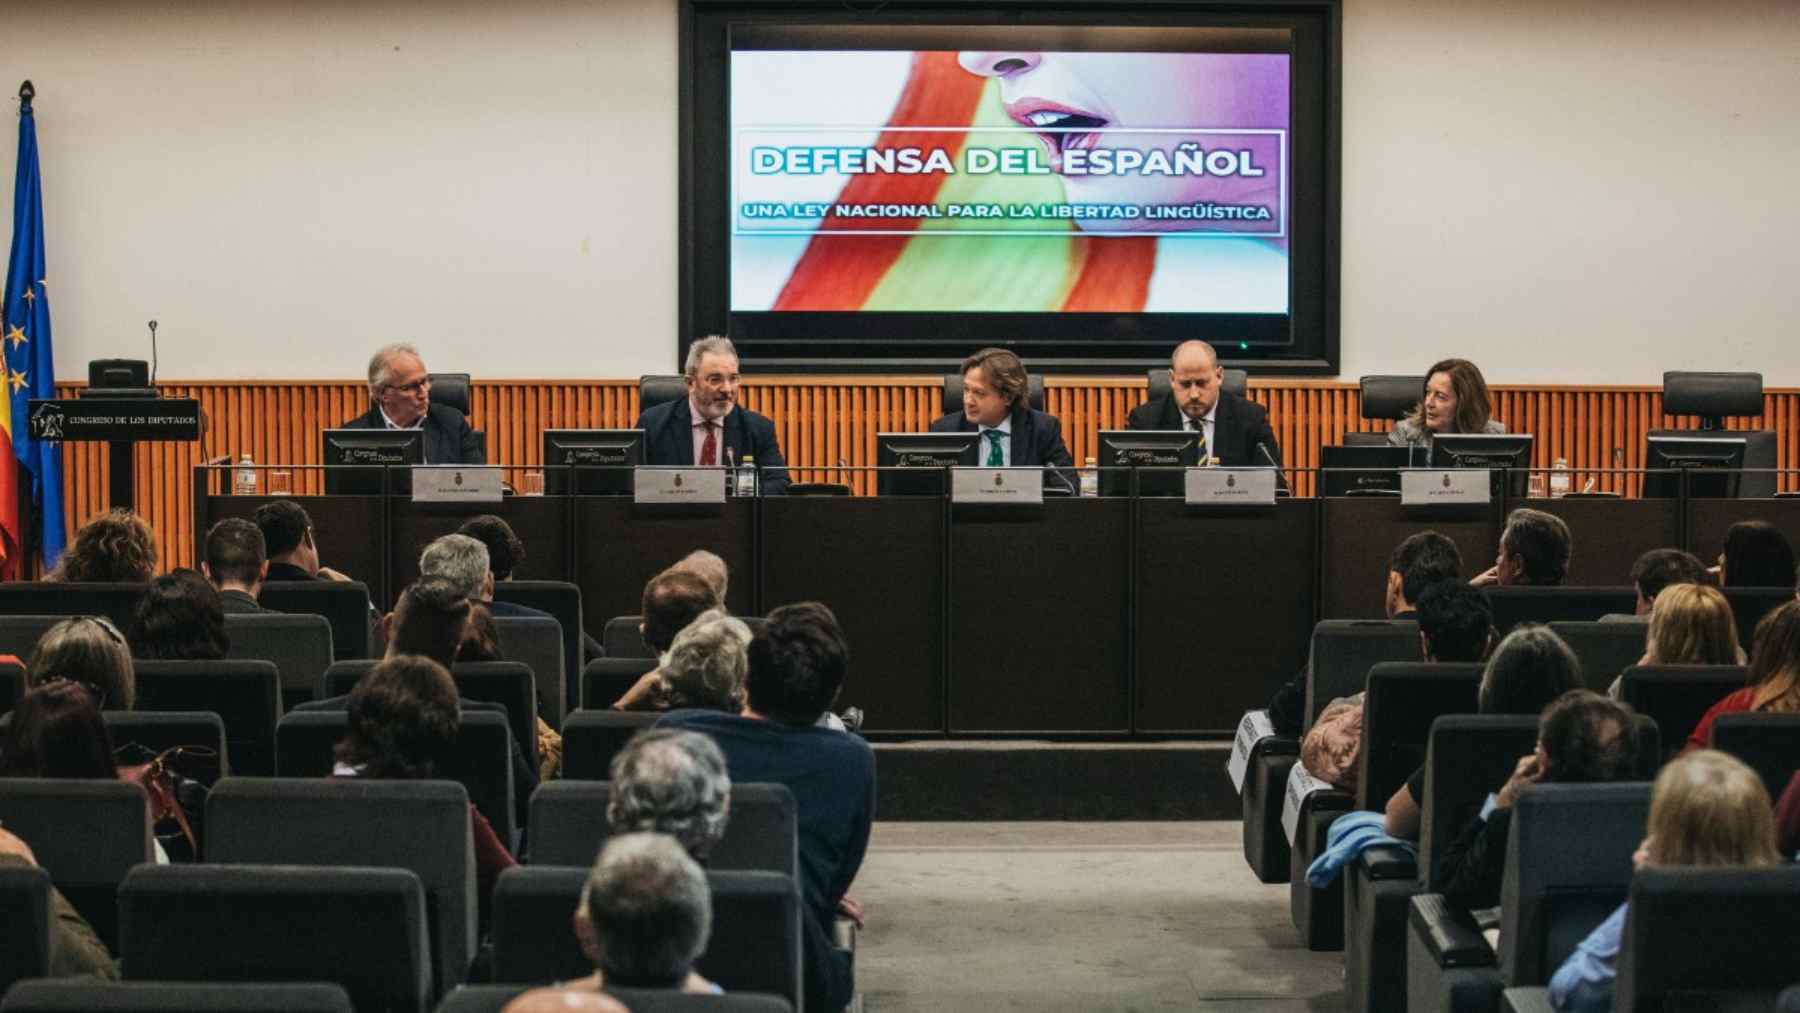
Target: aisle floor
986,917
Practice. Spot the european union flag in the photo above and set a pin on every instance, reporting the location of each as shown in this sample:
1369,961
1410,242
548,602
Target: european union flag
30,366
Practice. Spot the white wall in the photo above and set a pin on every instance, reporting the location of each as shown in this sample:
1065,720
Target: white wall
1568,192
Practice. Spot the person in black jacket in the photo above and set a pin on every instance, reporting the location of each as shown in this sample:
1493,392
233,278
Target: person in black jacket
237,563
400,398
1235,431
709,427
997,405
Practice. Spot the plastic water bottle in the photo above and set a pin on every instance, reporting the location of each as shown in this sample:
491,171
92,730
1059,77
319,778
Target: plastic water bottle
1560,479
246,476
1090,479
745,480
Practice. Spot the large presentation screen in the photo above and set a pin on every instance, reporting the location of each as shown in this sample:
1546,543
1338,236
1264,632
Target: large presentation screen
978,181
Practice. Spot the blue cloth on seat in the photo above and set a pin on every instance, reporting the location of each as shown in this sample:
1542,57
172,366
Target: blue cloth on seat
1349,836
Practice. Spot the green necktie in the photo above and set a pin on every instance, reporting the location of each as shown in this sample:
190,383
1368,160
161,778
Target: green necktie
996,458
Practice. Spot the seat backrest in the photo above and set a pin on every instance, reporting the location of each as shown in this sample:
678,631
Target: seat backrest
655,389
622,639
1712,395
1604,649
451,390
561,599
25,949
1353,439
1708,936
12,685
420,826
19,635
86,834
642,1000
1676,697
507,683
479,998
363,929
1343,651
953,392
591,738
115,601
1467,756
246,695
1160,383
1390,397
569,827
537,643
604,680
481,761
1517,604
160,730
343,676
1568,864
1404,698
1768,743
65,995
1750,604
299,645
754,946
344,604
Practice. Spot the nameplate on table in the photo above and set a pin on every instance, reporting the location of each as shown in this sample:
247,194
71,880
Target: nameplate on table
1300,786
1444,487
1253,729
1231,486
678,485
449,483
101,418
997,486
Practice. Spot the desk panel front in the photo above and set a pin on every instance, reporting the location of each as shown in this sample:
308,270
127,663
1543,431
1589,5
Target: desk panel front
620,545
541,522
1360,533
349,531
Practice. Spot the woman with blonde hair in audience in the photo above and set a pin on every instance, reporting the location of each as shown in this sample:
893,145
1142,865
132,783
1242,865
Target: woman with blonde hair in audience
1707,810
1774,676
87,649
1690,624
115,546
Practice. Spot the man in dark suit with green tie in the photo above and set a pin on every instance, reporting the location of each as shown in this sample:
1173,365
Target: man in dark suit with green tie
996,404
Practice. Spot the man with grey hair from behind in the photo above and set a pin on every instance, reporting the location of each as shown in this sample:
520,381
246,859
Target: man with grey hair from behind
671,782
400,398
461,560
708,427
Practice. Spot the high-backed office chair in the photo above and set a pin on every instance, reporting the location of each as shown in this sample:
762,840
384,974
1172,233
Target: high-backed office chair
1386,398
953,392
656,389
1713,397
452,391
1236,381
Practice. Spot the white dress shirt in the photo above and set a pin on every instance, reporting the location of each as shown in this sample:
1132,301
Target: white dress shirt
418,423
985,446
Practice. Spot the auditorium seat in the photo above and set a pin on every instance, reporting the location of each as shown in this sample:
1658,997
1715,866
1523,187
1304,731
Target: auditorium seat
569,827
604,680
115,601
86,834
754,946
1750,604
1708,938
79,996
562,600
1526,604
1789,1001
537,643
481,761
507,683
493,999
1768,743
1158,383
1568,865
419,826
246,695
12,685
952,402
591,738
25,902
19,634
299,645
363,929
1712,397
344,604
160,730
1676,697
1604,649
622,639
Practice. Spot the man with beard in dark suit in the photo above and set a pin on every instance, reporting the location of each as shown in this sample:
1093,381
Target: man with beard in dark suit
1230,427
400,398
708,427
997,405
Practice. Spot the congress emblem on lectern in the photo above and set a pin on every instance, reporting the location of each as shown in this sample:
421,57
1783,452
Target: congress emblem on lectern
47,423
1446,481
1231,481
677,480
457,478
999,479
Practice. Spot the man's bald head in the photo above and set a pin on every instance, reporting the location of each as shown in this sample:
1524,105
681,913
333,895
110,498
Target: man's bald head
1194,354
1195,378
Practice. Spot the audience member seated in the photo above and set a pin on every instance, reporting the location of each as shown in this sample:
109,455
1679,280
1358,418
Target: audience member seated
481,637
1787,820
1707,810
1655,570
180,618
672,599
75,951
288,539
1756,554
1455,400
704,668
1582,737
1534,549
116,546
1455,625
505,552
56,730
404,718
671,782
708,566
797,667
1774,675
91,650
1418,562
237,563
1690,624
1530,669
644,918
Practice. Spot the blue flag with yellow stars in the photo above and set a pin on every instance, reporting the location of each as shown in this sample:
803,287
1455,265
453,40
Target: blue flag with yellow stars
30,367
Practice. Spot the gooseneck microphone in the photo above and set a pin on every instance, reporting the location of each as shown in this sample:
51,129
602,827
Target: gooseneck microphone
152,353
1263,449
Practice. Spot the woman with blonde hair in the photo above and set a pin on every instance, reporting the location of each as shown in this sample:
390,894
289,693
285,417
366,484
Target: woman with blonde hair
89,650
1774,676
1690,624
1707,809
117,546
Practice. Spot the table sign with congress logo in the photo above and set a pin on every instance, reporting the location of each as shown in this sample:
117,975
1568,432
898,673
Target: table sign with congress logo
678,485
1231,486
450,483
1436,487
997,486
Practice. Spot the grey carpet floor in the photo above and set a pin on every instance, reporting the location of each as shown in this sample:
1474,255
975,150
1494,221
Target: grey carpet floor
986,917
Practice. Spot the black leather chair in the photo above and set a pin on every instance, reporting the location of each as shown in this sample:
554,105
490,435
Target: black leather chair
363,929
1604,649
591,738
344,604
569,827
1676,697
562,600
1385,398
86,834
246,695
655,389
1712,397
953,392
507,683
74,598
1526,604
1768,743
1159,384
73,995
604,680
453,390
25,948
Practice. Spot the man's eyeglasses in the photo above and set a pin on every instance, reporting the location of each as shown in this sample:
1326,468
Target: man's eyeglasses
418,386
